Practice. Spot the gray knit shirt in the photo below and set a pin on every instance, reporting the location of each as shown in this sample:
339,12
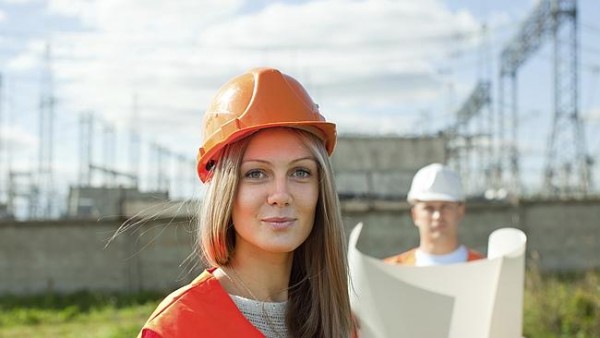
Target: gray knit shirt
267,317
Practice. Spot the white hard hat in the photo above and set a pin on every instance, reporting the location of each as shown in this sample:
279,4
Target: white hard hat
436,182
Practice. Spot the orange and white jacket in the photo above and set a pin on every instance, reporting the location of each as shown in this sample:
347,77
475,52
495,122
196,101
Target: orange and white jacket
200,309
408,257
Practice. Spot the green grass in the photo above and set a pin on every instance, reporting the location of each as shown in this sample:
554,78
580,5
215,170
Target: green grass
562,306
82,314
556,306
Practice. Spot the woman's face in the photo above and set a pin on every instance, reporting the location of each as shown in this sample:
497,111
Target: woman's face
274,208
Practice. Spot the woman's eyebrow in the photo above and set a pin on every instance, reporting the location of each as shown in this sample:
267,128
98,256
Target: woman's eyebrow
311,158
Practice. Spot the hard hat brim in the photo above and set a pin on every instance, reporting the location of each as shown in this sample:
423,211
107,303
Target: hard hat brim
326,131
429,197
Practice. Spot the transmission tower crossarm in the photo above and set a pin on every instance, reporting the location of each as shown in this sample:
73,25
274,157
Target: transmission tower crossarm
533,32
480,97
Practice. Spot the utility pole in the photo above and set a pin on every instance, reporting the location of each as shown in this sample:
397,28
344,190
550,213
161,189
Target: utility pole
86,148
109,153
3,152
45,179
134,141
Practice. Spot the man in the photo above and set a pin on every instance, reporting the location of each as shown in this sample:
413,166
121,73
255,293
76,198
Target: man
438,207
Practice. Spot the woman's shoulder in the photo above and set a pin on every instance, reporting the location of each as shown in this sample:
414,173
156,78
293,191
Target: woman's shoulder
193,294
202,306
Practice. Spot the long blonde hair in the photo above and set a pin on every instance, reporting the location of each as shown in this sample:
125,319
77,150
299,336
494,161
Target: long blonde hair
318,303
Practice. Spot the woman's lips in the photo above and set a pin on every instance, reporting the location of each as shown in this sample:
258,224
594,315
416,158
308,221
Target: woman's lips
279,223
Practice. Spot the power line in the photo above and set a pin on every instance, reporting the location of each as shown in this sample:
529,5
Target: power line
589,27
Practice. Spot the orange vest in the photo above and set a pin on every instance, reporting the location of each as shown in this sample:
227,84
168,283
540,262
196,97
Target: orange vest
408,257
200,309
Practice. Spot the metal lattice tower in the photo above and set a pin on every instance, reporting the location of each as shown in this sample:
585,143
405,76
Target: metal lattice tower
507,150
556,19
466,142
567,130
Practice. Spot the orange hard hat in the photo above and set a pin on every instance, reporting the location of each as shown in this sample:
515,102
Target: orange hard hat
261,98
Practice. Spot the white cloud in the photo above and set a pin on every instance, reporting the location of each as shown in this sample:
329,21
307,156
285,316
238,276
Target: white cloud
592,115
17,2
131,17
29,59
354,57
22,62
17,139
386,60
73,8
176,54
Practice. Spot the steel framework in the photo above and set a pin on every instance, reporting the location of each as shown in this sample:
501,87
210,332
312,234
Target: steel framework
464,141
556,19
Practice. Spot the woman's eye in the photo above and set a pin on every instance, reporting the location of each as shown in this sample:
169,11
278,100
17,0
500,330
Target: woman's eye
302,173
254,174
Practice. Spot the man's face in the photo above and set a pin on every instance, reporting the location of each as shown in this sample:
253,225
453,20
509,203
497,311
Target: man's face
438,220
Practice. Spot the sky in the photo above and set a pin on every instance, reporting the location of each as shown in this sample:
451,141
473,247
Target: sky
375,67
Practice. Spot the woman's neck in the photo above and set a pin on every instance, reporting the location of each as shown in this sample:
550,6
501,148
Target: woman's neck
259,278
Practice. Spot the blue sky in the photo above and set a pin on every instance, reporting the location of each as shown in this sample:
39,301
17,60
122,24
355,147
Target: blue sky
375,67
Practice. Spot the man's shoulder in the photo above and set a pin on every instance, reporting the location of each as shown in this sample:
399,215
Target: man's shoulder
409,257
474,255
406,258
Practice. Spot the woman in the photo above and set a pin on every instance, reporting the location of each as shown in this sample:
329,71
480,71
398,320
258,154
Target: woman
270,227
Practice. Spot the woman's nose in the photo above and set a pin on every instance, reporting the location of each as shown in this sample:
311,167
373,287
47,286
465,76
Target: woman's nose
280,194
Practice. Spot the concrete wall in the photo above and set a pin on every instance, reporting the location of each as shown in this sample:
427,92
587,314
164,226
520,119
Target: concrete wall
70,255
382,166
565,236
93,202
